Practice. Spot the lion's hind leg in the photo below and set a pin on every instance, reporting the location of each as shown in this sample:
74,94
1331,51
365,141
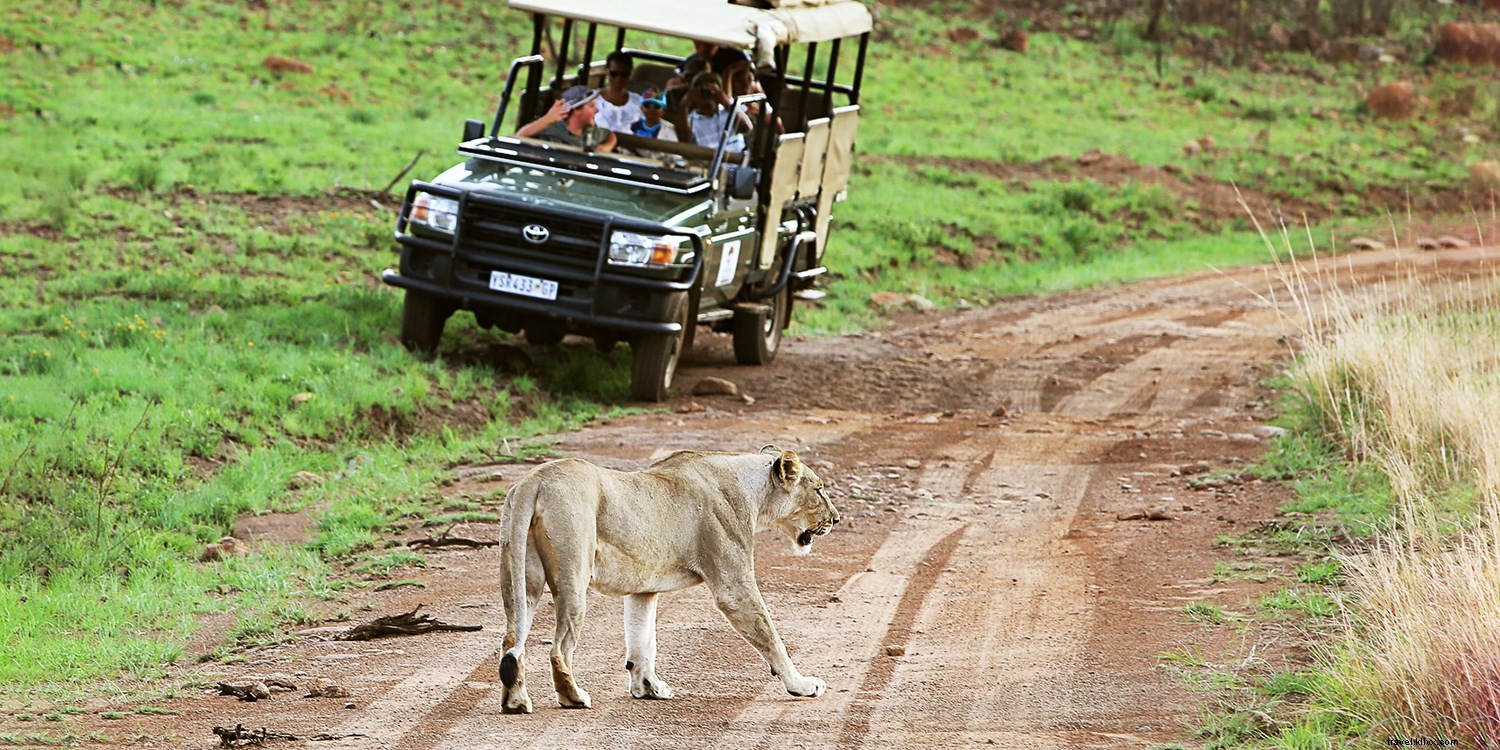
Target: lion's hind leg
640,648
569,569
513,696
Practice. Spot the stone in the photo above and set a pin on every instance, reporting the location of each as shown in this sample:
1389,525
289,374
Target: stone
893,650
893,301
1366,243
1134,514
301,398
1451,242
304,479
1159,514
912,463
691,407
326,688
712,386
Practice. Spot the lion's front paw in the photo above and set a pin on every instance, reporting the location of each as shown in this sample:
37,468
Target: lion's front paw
652,688
807,687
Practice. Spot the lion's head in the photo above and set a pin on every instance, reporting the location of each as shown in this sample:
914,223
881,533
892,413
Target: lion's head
805,512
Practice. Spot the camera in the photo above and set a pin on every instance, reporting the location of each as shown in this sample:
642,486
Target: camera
705,91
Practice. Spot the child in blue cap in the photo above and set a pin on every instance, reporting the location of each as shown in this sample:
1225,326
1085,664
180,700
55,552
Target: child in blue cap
651,124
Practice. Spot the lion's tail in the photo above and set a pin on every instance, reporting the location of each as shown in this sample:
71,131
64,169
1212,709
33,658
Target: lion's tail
516,519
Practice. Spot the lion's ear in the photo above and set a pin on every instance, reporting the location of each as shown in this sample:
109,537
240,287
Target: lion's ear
787,468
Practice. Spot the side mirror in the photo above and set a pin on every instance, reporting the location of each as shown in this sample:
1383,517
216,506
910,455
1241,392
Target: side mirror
742,181
472,129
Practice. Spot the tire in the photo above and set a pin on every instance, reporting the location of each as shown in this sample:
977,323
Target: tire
654,357
422,319
757,335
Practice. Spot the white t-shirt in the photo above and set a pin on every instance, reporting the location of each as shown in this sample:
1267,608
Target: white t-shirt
707,129
618,116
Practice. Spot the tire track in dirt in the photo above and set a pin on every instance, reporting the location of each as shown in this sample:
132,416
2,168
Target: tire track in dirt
1034,622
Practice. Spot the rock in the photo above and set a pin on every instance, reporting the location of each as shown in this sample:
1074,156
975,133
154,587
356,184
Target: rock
1000,412
715,387
245,689
1090,156
893,650
301,398
1305,40
218,550
1134,514
1427,243
304,479
278,64
892,301
1393,101
1192,148
1159,514
1197,467
1215,434
1366,243
1270,431
747,398
912,463
1451,242
690,407
1485,176
326,688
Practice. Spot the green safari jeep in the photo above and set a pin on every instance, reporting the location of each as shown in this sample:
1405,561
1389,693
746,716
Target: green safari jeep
643,244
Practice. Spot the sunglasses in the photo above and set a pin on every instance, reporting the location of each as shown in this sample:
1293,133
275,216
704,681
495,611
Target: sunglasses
619,73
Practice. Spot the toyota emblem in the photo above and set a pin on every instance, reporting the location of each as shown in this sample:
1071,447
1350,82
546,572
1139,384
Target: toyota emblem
536,234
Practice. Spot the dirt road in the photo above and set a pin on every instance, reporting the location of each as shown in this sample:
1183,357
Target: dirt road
993,584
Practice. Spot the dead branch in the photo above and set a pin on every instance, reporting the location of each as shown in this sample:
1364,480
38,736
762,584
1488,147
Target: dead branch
406,623
402,173
242,737
444,540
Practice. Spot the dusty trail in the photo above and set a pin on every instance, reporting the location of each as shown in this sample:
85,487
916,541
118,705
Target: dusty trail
982,460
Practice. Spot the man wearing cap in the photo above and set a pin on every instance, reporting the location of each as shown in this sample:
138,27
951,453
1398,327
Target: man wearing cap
571,121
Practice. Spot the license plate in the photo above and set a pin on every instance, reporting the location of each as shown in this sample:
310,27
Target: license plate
528,286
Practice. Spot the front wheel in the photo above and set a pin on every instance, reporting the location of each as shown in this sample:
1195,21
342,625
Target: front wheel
654,357
757,335
422,320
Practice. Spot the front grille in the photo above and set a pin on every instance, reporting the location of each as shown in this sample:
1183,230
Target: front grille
498,228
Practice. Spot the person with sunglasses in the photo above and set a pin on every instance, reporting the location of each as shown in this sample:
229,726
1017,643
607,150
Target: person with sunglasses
652,124
618,106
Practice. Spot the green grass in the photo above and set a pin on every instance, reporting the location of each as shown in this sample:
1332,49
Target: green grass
191,314
1206,613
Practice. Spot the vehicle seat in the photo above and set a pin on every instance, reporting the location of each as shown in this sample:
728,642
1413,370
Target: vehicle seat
648,75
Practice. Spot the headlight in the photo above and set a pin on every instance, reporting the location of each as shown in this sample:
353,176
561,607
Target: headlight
439,213
644,250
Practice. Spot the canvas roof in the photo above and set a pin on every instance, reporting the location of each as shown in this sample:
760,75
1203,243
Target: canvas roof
715,20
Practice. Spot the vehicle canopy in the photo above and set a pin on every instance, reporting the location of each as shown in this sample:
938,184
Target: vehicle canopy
739,26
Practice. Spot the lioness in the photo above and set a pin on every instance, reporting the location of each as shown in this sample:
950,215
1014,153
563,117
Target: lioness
689,518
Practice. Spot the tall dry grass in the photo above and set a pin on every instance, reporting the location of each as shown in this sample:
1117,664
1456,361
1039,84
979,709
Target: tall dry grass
1406,376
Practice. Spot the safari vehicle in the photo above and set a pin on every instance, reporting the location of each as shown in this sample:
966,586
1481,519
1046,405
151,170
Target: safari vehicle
550,239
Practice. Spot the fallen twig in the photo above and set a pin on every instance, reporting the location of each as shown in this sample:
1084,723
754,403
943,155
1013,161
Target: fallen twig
242,737
402,173
406,623
443,540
